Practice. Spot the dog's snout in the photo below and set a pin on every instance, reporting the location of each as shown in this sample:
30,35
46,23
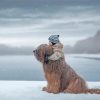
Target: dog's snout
34,51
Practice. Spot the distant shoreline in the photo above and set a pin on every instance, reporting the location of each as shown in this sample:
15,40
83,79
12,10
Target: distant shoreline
73,54
94,58
84,56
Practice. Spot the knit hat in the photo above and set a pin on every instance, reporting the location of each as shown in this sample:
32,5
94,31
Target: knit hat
54,39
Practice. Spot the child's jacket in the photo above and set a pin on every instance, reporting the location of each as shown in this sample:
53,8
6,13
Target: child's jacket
58,53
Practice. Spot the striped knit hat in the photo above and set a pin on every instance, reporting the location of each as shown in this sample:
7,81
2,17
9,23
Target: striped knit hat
54,39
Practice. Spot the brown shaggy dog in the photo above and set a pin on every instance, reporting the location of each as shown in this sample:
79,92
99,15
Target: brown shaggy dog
60,76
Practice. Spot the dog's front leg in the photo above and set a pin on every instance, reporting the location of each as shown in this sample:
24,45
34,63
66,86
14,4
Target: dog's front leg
53,83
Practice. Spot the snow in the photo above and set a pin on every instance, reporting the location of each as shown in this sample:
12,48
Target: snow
32,90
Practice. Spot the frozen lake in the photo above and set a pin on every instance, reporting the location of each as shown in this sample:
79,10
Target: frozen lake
28,68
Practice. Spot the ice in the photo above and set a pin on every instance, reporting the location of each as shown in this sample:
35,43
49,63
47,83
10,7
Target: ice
87,55
32,90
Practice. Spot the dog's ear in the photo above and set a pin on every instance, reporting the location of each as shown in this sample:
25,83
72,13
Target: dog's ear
49,50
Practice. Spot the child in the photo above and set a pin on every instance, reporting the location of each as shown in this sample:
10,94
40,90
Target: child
57,48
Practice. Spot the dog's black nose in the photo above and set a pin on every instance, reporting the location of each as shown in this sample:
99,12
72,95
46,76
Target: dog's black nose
34,51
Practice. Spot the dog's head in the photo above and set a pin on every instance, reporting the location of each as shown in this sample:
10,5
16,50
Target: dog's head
41,50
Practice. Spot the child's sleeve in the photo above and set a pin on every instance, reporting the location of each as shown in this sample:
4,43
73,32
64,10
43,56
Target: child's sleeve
55,56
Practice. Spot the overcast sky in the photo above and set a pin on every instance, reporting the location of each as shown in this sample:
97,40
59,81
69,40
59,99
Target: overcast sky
30,22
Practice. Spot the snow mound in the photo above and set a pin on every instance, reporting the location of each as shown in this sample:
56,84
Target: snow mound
32,90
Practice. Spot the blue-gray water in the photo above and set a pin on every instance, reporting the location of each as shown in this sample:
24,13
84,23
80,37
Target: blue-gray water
28,68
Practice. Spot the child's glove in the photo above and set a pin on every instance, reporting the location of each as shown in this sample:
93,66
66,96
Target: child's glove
46,60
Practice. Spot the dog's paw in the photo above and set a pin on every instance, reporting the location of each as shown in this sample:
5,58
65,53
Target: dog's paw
53,91
44,89
67,91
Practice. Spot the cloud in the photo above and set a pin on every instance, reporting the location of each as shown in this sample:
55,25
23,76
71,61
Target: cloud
59,22
34,18
34,42
41,3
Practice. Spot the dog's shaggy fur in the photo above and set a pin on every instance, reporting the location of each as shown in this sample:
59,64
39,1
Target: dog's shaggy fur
59,75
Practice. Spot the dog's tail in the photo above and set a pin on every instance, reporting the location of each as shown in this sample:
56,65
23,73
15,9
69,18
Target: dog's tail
93,91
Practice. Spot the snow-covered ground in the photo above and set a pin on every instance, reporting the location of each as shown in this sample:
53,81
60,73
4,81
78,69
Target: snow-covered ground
32,90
